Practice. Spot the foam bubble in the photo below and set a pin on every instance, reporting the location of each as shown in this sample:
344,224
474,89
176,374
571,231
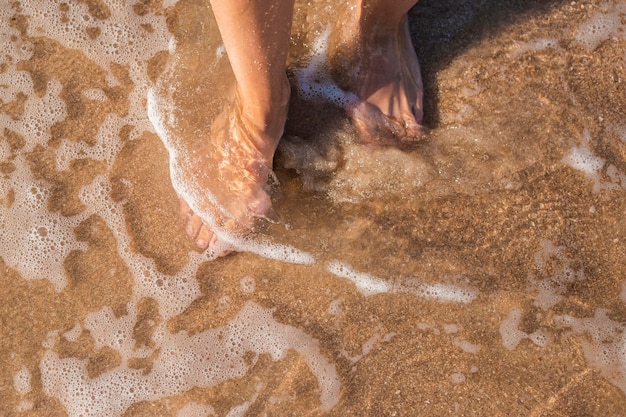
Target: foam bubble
551,289
457,378
314,82
451,328
183,362
248,285
534,46
194,409
511,335
24,405
583,159
334,308
73,334
21,381
365,283
600,27
447,293
466,346
369,285
605,349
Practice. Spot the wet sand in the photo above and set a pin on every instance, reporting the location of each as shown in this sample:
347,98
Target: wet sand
479,273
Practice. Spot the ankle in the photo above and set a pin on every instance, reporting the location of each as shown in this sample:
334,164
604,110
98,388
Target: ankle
375,22
265,116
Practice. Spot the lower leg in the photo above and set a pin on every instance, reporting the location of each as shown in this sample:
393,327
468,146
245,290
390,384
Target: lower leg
256,37
388,82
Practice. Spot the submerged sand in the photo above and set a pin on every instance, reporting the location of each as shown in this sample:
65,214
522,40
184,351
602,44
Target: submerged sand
479,273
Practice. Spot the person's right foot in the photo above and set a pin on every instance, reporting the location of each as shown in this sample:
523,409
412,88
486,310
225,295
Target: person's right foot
228,176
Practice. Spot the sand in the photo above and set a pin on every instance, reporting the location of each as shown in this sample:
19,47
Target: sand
479,273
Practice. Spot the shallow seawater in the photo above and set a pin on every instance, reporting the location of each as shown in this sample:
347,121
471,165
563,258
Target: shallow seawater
481,272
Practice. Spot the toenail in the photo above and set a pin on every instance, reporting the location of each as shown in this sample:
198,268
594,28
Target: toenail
201,243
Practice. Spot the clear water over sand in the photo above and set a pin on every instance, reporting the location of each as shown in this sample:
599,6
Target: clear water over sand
479,273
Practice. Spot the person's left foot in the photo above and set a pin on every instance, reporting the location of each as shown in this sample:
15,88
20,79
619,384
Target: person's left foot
389,88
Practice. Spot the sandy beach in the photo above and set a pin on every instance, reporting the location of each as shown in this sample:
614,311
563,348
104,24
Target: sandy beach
479,272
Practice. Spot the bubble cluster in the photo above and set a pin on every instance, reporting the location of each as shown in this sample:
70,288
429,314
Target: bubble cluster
512,336
119,35
466,346
248,284
21,381
35,241
449,293
604,24
314,81
534,46
183,362
365,283
604,176
555,267
605,349
369,285
457,378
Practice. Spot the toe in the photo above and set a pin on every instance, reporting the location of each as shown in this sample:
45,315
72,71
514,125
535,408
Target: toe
194,224
184,209
205,236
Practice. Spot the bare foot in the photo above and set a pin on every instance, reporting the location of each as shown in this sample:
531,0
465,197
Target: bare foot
225,183
388,84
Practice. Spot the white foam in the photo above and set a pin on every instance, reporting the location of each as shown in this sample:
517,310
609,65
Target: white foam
24,405
174,293
457,378
369,344
35,241
248,284
369,285
169,3
551,289
601,26
194,409
21,381
365,283
512,336
314,82
594,167
334,308
451,328
534,46
466,346
605,348
447,293
73,334
204,359
122,38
